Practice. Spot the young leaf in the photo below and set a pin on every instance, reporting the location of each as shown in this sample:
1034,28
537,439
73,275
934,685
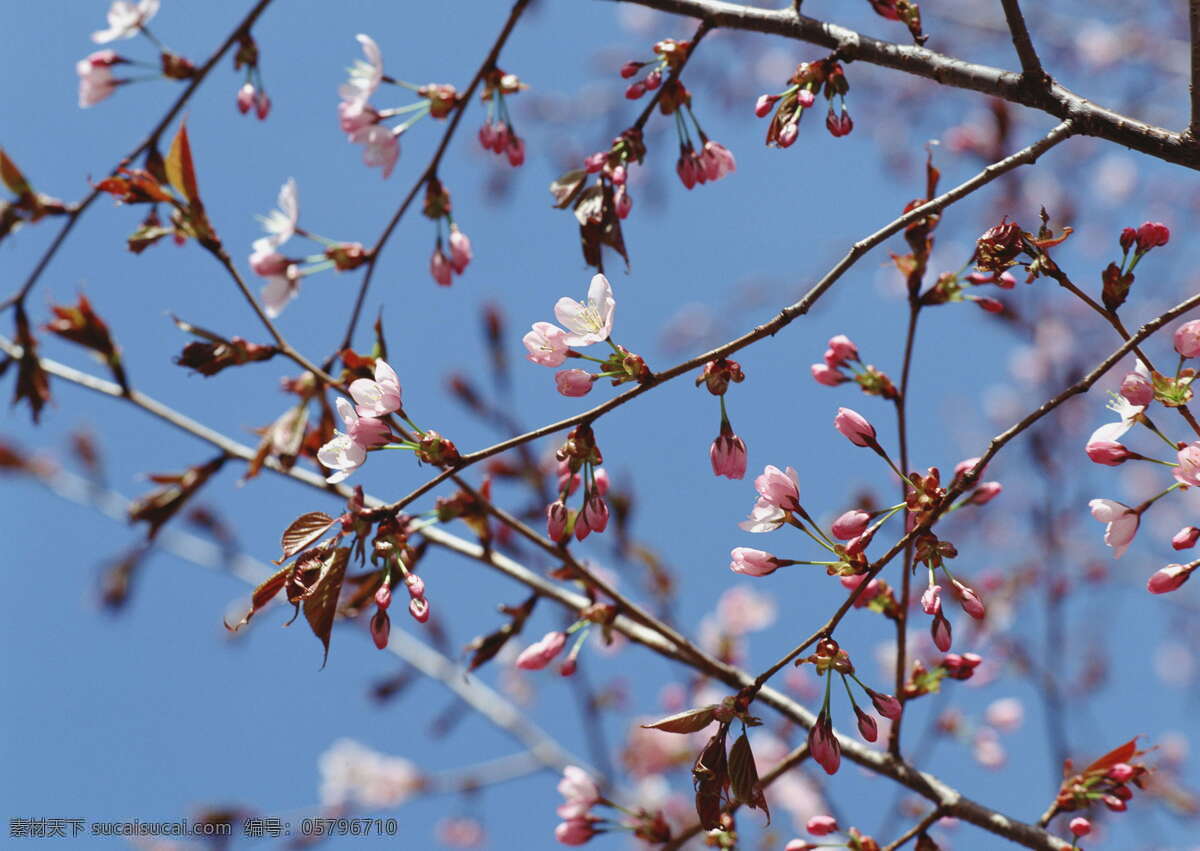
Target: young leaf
743,774
12,177
1124,753
710,775
180,171
320,607
263,594
304,532
685,722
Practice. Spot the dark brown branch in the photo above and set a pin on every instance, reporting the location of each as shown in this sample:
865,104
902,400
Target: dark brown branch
1193,130
1031,66
1090,119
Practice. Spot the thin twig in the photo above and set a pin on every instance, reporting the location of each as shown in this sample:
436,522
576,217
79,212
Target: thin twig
917,829
1031,66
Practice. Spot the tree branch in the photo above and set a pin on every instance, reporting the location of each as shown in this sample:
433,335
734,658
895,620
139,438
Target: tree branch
1031,66
1193,130
1090,119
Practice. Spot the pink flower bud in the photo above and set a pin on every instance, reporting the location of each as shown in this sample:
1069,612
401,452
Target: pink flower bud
418,607
619,175
990,305
823,745
805,98
886,705
1185,538
635,90
868,728
541,653
854,427
460,249
381,627
487,135
245,98
1122,772
600,478
685,168
970,601
1128,235
941,632
788,134
556,521
262,106
576,831
851,524
383,596
728,456
931,600
752,562
1080,826
1107,452
827,375
765,104
440,268
1137,388
653,80
631,68
623,201
1114,803
843,349
595,162
1169,578
965,466
1006,281
779,488
515,150
582,530
1151,235
800,845
415,585
1187,339
573,382
823,825
595,512
985,493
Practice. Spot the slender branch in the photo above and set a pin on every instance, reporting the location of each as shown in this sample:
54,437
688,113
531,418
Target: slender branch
918,828
430,170
701,31
1031,66
146,144
1090,118
785,317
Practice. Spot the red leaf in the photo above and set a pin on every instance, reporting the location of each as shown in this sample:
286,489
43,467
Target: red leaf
685,722
1124,753
320,607
304,532
263,594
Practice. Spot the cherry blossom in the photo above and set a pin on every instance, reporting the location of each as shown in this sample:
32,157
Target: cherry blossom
96,82
821,825
764,517
589,322
728,456
541,653
752,562
352,772
381,147
280,223
854,427
460,250
1169,578
546,344
779,489
367,432
1188,471
379,397
279,291
573,382
1122,523
365,76
125,20
343,455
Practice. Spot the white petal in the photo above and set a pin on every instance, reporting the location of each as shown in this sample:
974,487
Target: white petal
346,410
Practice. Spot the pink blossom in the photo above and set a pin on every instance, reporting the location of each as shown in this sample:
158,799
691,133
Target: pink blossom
541,653
854,427
96,82
1137,387
600,480
576,831
381,147
439,267
1187,339
1080,826
1005,714
799,845
591,322
717,160
1151,235
764,517
266,261
515,150
827,375
418,607
365,76
1107,452
970,600
595,513
931,600
1185,538
806,98
965,466
125,19
1122,523
262,105
824,746
752,562
577,786
843,349
623,202
985,493
353,116
460,249
245,98
741,610
379,397
778,488
415,586
851,524
556,521
546,344
383,596
280,223
1169,578
343,455
821,825
1188,471
728,456
765,104
367,432
1121,772
788,133
573,382
279,290
867,728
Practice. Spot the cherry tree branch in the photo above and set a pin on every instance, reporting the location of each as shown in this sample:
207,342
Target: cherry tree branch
1031,66
430,170
146,144
1090,119
1193,130
1025,156
923,825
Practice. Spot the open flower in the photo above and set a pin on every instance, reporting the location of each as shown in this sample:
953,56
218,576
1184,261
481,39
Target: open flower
96,82
342,455
280,223
764,517
125,19
779,488
365,76
1122,523
547,344
591,322
379,397
1188,471
367,432
279,290
381,147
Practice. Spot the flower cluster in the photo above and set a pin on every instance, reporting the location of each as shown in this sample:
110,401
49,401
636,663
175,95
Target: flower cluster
801,93
822,826
126,20
450,256
839,366
579,461
253,93
363,123
418,606
728,451
365,428
579,824
283,273
669,56
497,133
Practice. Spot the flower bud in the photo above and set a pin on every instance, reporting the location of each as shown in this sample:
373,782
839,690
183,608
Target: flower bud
941,632
751,562
1185,538
418,607
1187,339
381,627
245,98
1151,235
869,730
931,600
886,705
851,524
1170,578
416,586
1081,826
823,825
765,104
573,382
383,596
1137,388
854,427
